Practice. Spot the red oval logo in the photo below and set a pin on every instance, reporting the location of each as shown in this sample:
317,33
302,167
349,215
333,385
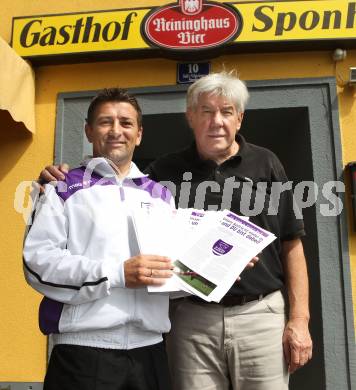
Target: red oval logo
170,28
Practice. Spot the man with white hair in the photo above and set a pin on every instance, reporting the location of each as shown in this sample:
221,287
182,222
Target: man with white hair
247,341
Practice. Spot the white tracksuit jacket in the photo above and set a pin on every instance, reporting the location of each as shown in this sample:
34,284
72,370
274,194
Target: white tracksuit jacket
74,254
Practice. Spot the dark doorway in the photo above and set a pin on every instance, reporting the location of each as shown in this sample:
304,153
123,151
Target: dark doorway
162,134
286,132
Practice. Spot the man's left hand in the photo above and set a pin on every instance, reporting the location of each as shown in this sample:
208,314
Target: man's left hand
297,343
250,264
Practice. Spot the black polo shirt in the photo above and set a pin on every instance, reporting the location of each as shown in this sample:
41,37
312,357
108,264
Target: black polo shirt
249,184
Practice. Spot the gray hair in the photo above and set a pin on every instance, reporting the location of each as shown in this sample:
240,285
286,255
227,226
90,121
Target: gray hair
221,84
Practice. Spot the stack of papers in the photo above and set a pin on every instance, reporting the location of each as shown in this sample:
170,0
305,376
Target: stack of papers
209,249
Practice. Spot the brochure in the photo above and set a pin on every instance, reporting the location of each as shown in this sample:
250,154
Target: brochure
209,249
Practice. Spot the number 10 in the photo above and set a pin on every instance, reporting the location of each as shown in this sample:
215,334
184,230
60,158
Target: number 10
193,68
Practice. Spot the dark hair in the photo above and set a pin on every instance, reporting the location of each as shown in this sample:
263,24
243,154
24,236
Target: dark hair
113,95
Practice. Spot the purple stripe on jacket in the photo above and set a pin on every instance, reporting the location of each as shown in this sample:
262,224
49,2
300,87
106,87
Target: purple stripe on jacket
78,179
49,315
156,190
82,178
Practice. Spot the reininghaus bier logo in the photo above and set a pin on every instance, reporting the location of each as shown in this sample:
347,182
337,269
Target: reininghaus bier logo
191,24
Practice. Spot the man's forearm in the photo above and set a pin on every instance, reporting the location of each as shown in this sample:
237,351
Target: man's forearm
296,279
297,343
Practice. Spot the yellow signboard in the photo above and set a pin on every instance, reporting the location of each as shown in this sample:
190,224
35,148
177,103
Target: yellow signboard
121,30
298,21
78,33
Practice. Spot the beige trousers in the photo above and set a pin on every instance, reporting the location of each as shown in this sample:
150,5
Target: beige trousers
215,348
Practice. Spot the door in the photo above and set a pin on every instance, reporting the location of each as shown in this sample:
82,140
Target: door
298,120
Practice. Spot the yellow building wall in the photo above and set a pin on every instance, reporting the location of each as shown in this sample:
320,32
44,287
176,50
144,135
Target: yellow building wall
22,347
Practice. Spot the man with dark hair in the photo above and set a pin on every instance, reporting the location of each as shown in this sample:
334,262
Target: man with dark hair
113,95
81,253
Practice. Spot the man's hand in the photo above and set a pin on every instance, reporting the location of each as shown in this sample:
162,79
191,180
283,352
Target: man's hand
53,173
251,264
147,270
297,343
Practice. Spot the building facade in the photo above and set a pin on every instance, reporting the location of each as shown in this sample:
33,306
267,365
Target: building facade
297,58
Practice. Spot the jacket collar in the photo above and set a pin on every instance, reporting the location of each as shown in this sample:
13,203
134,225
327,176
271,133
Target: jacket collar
104,168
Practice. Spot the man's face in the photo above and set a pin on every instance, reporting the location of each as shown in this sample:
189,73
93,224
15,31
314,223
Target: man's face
114,132
215,123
